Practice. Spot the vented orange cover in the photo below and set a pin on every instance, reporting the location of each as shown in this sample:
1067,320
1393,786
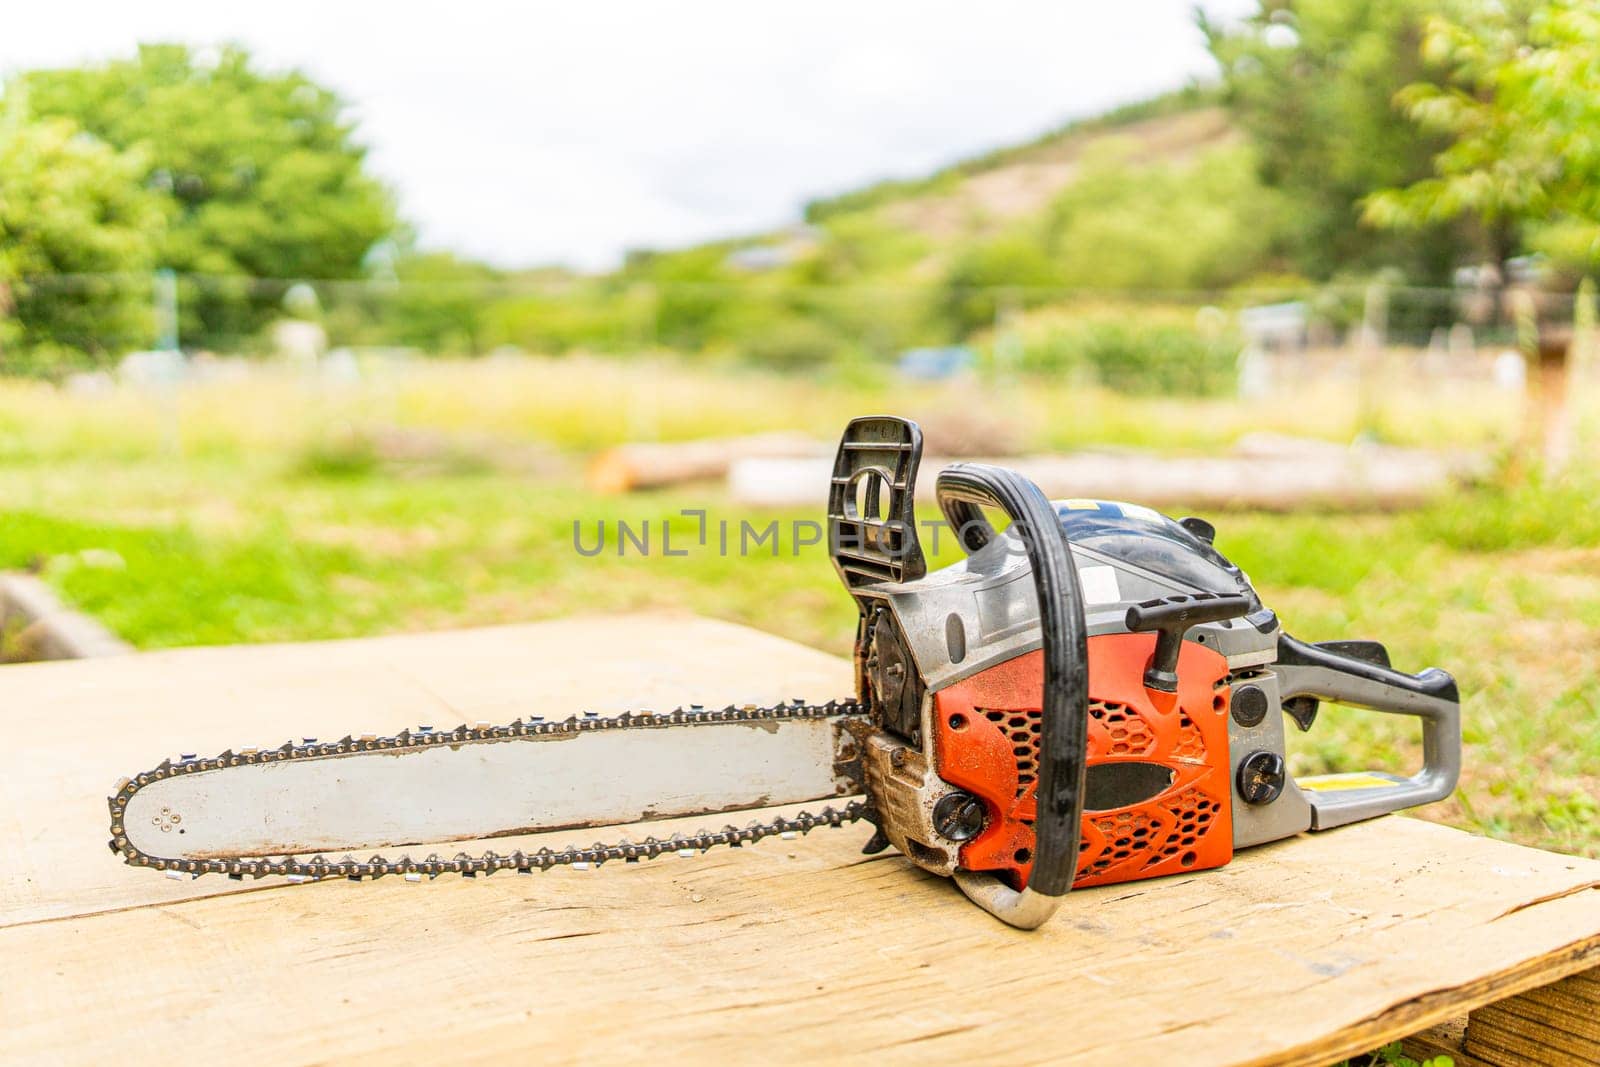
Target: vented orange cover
986,741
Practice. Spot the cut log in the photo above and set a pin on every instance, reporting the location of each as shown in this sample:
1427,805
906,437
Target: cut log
651,466
1269,476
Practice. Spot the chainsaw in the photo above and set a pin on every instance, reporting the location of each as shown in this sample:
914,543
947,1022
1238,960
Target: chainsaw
1093,695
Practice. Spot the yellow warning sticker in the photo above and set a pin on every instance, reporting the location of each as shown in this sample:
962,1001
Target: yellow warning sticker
1330,783
1079,504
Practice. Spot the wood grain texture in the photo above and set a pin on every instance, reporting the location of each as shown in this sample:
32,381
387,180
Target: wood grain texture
1554,1026
1443,1040
787,951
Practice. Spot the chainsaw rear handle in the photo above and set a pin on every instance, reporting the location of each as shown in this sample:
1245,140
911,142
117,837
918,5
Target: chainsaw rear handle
962,489
1329,672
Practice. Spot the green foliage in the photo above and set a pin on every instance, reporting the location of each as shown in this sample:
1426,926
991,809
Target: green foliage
1313,83
158,577
1113,228
793,343
1392,1056
345,455
859,246
263,170
1518,515
1131,351
974,284
1202,226
1522,122
553,320
440,302
70,207
693,287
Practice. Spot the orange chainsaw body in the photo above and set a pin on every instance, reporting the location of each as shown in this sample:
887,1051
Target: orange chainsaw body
1165,754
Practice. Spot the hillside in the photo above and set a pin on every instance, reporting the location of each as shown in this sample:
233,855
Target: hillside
1157,198
1132,163
1011,185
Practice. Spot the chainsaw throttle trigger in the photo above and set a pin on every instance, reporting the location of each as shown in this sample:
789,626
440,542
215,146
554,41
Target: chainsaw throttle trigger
962,490
1171,617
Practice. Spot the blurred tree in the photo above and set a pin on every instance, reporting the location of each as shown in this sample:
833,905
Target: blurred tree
995,275
695,291
1522,115
1313,82
441,302
72,210
266,175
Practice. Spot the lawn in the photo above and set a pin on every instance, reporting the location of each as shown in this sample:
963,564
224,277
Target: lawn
280,508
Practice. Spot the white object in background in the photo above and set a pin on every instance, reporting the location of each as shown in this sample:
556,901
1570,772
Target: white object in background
1511,371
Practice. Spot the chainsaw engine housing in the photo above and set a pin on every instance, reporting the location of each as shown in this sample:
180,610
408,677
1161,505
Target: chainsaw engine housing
952,667
1189,677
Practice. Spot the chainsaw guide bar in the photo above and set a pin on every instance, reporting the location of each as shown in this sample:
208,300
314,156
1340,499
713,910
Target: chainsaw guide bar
166,821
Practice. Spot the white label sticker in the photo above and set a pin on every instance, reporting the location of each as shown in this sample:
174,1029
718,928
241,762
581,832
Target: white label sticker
1139,511
1099,585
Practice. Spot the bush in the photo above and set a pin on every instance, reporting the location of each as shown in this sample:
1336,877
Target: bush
792,343
1132,354
1205,224
555,320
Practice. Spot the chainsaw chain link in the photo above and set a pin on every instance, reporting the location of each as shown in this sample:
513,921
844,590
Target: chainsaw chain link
470,866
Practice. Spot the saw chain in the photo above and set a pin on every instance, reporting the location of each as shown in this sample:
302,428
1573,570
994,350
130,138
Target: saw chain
320,866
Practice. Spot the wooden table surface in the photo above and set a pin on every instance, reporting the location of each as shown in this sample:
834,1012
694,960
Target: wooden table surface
1298,952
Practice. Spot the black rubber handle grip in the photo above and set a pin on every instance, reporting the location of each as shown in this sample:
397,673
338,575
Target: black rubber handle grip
962,489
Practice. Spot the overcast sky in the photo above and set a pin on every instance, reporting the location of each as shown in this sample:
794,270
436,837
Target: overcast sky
540,132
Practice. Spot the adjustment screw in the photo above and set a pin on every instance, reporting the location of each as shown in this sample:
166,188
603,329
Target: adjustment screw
1261,777
959,816
1249,706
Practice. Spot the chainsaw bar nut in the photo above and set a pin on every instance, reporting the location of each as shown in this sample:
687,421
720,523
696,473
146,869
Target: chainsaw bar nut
959,816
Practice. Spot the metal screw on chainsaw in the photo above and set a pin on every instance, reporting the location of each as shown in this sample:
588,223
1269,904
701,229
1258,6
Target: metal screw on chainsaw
1261,777
1249,706
959,816
296,870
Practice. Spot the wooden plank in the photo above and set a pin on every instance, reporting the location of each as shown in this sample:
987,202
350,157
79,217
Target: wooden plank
73,729
1564,996
1514,1048
1443,1040
1498,1035
1300,952
1570,1005
1529,1008
1584,986
1555,1026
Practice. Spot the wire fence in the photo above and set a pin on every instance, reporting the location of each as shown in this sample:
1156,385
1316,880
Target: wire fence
1178,342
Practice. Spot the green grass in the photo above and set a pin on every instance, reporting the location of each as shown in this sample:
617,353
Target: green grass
268,513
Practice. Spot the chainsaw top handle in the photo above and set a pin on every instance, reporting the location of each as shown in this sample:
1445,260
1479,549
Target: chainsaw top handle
963,489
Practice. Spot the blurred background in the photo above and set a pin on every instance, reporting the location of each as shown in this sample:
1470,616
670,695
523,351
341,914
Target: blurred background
336,323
